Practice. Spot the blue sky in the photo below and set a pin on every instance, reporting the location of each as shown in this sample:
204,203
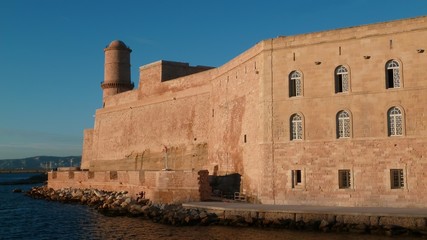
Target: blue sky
51,51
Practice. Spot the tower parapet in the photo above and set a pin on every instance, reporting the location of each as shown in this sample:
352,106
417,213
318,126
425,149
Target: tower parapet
116,69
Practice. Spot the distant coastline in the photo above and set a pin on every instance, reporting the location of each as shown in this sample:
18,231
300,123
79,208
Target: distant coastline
38,164
22,171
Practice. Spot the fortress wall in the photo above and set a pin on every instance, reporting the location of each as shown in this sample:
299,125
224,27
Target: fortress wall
236,118
218,106
127,97
151,84
87,154
369,161
158,186
369,153
357,32
235,114
141,131
367,76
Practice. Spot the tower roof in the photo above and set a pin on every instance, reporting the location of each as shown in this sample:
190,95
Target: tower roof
117,44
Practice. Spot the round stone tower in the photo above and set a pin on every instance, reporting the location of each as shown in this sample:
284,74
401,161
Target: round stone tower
116,69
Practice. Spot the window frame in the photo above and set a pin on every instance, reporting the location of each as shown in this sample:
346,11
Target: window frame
339,77
397,178
345,180
297,178
299,134
295,78
392,118
393,68
342,120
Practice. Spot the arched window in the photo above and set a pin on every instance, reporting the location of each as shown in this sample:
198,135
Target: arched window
395,122
343,124
295,84
341,79
296,127
393,78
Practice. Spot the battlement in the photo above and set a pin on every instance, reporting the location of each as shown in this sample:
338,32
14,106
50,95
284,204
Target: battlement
162,71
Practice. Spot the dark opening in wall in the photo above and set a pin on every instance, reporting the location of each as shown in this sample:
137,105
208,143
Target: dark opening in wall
225,186
244,138
296,178
113,175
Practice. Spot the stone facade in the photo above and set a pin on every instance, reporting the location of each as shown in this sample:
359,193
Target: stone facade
328,118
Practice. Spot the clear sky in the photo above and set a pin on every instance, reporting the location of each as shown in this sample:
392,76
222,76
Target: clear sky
51,51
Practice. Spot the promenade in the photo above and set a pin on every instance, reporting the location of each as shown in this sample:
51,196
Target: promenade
376,220
332,210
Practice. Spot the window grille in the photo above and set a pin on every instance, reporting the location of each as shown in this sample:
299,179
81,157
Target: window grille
295,85
344,178
396,178
393,74
296,127
341,79
395,122
343,124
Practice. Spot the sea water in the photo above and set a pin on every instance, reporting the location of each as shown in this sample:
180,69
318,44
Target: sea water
22,217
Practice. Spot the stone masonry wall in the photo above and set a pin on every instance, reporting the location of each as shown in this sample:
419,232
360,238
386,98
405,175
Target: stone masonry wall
240,114
369,153
369,162
158,186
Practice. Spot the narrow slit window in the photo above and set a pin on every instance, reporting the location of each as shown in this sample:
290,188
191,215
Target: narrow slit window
296,178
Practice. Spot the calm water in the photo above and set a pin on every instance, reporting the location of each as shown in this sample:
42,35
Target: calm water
22,217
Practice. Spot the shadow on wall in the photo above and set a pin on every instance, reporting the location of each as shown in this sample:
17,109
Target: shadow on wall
225,186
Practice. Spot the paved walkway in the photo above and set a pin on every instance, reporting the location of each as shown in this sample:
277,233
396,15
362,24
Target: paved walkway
365,211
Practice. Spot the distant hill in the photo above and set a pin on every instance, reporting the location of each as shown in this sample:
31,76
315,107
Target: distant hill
40,163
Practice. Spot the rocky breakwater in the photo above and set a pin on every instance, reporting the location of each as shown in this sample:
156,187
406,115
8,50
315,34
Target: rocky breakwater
123,204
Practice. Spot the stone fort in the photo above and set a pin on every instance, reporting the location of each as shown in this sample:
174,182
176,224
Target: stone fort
327,118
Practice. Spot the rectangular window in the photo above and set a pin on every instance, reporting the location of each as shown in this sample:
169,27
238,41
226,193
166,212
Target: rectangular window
296,178
344,178
396,178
